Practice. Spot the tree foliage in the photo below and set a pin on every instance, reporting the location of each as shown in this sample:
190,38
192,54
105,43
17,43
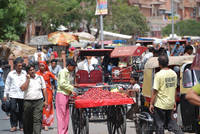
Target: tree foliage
122,18
52,13
182,28
12,15
125,19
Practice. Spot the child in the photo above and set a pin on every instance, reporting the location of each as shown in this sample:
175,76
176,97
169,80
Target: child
133,89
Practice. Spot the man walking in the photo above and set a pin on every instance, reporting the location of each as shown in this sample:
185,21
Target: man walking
14,80
34,87
163,97
55,69
65,89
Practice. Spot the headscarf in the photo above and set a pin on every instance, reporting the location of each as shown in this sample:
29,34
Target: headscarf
45,64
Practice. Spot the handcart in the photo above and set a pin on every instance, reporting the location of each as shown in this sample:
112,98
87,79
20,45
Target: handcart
85,79
114,107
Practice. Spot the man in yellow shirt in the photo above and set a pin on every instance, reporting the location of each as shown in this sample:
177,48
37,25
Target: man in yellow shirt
193,95
163,101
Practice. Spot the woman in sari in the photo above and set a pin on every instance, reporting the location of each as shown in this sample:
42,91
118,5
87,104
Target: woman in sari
48,113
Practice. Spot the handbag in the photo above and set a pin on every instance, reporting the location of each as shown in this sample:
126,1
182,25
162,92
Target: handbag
6,106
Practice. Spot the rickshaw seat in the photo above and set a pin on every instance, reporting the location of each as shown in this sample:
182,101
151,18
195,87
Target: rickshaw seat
96,76
82,76
124,74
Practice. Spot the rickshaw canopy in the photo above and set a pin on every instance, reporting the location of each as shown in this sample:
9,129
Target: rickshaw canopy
173,60
128,51
95,52
196,63
173,42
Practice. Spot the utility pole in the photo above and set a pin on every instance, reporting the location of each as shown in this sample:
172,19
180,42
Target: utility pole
172,10
101,28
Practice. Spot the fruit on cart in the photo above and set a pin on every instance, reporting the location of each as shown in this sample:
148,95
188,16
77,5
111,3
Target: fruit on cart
99,93
96,97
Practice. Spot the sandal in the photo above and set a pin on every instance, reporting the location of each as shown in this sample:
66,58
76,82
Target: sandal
46,128
13,129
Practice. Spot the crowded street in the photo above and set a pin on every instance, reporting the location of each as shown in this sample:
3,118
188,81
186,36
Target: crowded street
99,66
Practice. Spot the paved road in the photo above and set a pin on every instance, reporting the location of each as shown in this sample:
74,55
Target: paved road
94,128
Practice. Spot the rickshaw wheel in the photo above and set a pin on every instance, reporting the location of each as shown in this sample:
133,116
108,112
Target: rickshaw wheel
116,119
80,121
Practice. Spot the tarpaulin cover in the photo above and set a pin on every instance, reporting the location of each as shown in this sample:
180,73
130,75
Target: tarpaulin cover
87,103
128,51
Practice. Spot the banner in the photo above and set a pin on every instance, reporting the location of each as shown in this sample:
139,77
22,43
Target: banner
101,7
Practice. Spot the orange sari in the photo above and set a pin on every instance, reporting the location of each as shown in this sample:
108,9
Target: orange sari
48,113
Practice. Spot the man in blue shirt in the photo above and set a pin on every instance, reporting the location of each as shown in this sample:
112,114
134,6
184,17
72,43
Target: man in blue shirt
177,50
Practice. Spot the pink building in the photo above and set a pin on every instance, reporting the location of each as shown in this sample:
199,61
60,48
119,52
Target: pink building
158,12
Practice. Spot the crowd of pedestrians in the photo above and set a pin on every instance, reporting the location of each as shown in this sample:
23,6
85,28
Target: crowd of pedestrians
31,92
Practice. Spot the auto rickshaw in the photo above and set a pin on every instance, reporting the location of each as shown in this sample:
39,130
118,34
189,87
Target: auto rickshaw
145,121
190,74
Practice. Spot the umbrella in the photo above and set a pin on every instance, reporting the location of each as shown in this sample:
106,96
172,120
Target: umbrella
61,38
85,36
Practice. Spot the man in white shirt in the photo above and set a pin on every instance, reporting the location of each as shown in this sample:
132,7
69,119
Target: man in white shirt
88,64
55,69
39,55
12,89
148,55
34,88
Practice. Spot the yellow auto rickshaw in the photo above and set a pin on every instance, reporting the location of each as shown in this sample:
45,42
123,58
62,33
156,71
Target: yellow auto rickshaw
145,122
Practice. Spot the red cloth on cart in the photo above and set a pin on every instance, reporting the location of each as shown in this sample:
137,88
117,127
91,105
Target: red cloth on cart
87,103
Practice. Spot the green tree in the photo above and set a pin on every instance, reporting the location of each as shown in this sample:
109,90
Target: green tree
125,19
121,18
12,14
52,13
182,28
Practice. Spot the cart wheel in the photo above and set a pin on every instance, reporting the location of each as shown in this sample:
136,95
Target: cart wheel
80,121
116,120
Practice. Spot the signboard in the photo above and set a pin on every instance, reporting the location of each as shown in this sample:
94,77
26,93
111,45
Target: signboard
101,7
175,18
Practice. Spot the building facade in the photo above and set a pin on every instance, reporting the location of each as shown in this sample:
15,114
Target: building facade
158,12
